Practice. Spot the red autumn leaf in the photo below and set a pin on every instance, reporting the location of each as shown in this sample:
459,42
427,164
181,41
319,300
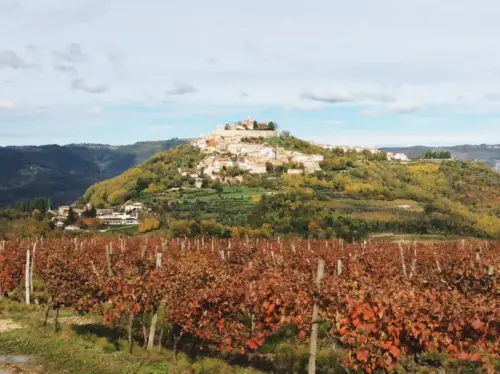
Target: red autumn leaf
252,345
475,357
477,324
386,345
363,355
271,309
394,351
463,356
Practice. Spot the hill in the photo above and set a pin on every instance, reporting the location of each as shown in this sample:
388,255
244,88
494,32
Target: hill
489,154
63,173
350,195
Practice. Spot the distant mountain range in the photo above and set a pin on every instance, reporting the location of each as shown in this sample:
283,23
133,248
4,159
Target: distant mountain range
63,173
489,154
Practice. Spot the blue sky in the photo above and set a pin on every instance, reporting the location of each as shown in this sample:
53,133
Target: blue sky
363,72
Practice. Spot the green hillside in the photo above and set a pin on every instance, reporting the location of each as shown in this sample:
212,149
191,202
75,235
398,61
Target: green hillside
63,173
354,194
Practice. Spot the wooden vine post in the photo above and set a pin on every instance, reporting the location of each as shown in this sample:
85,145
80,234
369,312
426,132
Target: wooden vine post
315,323
27,277
154,320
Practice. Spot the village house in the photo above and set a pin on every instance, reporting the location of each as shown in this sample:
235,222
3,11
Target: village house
104,212
72,228
397,156
198,183
63,210
138,206
116,218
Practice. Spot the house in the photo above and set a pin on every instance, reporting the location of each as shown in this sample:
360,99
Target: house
198,183
295,171
139,207
63,210
397,156
115,218
72,228
103,212
59,224
79,211
258,169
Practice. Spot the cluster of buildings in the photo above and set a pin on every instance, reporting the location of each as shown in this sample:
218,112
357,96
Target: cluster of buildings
229,146
390,155
127,214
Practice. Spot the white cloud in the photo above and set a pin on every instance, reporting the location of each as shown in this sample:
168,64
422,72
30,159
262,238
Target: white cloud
6,105
403,107
92,87
136,48
95,111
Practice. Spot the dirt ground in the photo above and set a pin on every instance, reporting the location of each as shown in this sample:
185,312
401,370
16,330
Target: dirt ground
20,365
9,325
17,364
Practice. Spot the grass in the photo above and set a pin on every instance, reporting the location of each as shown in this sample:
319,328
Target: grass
347,203
93,348
96,349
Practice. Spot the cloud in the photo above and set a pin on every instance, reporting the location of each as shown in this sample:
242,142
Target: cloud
493,97
10,59
95,111
347,96
332,98
41,109
212,61
6,105
93,88
72,53
116,59
403,107
182,88
67,69
244,94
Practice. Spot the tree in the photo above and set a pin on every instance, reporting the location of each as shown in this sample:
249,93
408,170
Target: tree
272,126
217,186
90,213
72,217
285,134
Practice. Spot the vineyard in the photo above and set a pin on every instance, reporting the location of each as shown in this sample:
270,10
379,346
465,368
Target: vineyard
375,305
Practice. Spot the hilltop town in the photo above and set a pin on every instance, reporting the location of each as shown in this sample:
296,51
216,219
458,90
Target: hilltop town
227,154
245,145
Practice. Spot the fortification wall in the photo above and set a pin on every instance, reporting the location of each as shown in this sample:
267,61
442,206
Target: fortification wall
244,133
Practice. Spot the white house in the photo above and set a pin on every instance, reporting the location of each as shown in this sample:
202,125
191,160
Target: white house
397,156
103,212
295,171
63,210
139,207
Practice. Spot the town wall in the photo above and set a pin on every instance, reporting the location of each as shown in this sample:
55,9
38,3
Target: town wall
244,133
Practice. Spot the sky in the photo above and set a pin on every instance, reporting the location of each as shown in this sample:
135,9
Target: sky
359,72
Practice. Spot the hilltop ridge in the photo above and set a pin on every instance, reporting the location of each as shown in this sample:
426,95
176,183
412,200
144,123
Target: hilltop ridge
280,185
